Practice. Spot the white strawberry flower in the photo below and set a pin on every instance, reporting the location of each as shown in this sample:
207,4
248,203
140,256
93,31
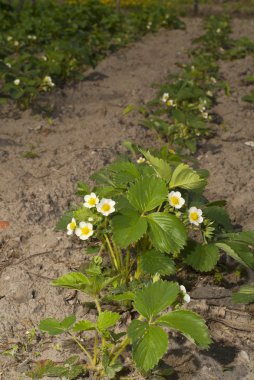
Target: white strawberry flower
171,103
31,37
195,216
141,160
71,227
201,107
183,289
16,43
106,206
213,80
175,199
16,82
47,81
165,97
8,65
9,38
84,230
209,93
91,200
149,24
186,298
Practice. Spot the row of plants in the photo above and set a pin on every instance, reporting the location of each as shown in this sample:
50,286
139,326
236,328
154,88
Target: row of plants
182,111
144,220
46,43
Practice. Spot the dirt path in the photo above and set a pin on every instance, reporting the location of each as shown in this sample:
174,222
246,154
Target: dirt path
85,135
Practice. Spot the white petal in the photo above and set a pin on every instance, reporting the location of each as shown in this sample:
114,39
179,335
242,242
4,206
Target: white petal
186,298
83,237
78,231
87,205
181,202
200,219
183,289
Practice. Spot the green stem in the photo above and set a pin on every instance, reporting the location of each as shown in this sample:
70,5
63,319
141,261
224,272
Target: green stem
112,255
127,263
95,349
118,255
121,347
159,208
82,348
138,270
98,306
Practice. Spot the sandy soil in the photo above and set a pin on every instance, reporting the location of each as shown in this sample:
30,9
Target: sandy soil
87,131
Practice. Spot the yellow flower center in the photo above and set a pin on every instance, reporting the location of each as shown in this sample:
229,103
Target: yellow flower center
194,216
105,207
72,225
92,201
85,230
175,200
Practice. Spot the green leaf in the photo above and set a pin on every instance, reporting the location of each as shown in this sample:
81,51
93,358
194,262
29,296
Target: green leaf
128,109
137,329
123,172
82,189
128,228
238,251
245,237
84,213
69,369
219,216
244,295
107,319
54,327
150,348
185,177
189,324
147,193
166,232
84,325
155,297
64,221
203,258
153,262
161,167
126,296
73,280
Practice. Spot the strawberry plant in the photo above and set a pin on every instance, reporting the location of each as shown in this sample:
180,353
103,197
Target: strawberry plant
140,220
